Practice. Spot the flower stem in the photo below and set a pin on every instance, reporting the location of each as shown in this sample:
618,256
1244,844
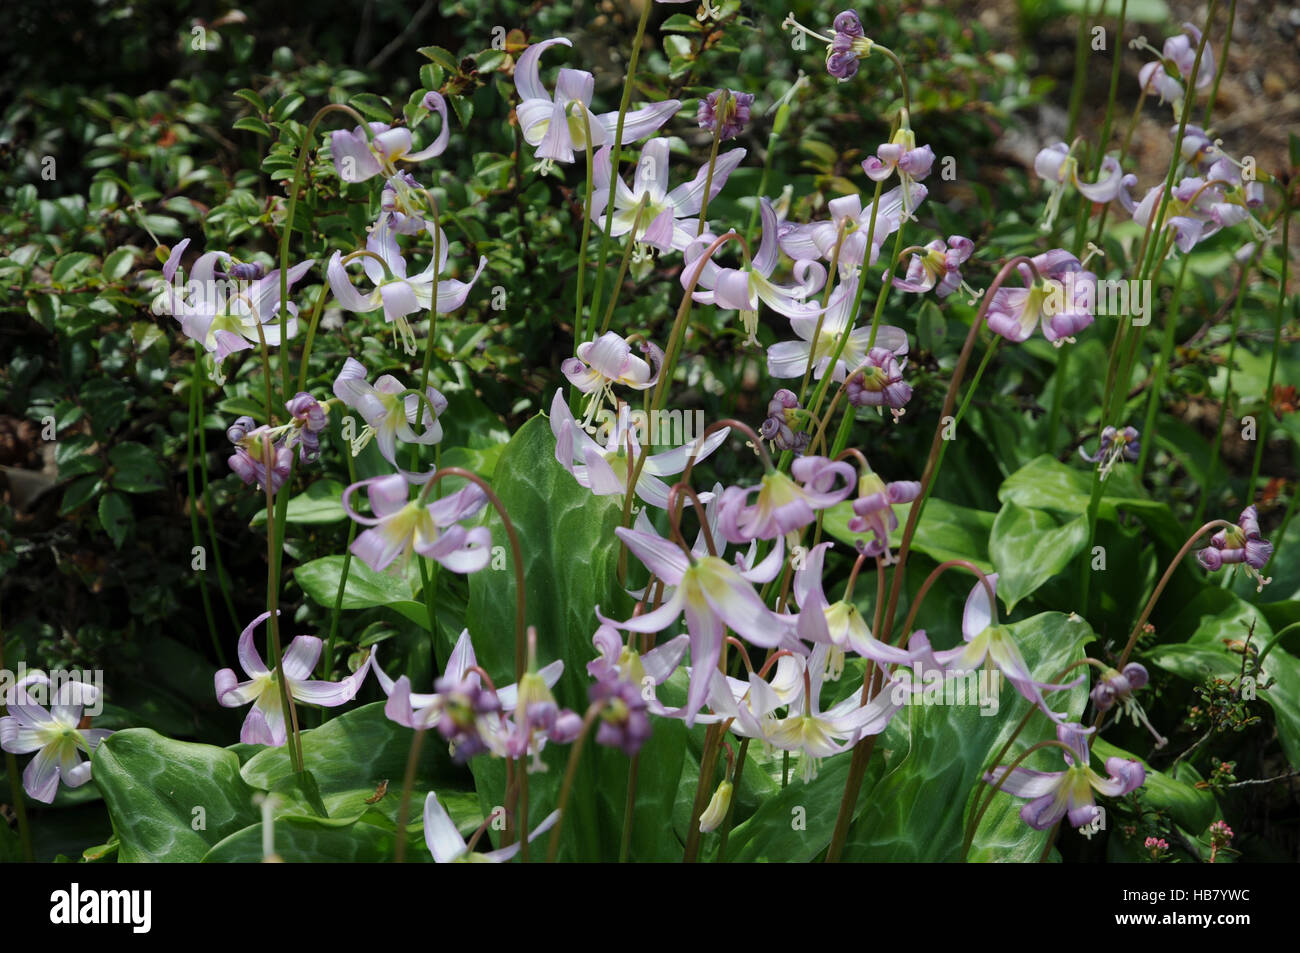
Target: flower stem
616,152
622,268
570,771
724,98
1162,365
15,784
287,230
408,781
196,383
272,605
629,808
1264,418
327,660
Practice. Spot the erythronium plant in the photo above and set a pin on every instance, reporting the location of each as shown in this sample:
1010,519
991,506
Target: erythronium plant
760,575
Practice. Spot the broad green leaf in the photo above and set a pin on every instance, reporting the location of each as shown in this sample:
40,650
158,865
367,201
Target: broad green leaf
946,530
1045,483
1218,619
322,502
366,588
1029,547
308,840
70,266
169,800
570,556
1190,807
119,263
116,516
136,469
918,810
350,756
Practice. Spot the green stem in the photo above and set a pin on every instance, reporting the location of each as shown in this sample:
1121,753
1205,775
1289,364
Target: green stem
327,659
287,231
272,607
408,782
570,772
629,809
724,97
616,152
1267,413
1162,365
622,267
579,326
1213,473
208,510
1223,64
1080,72
16,795
195,532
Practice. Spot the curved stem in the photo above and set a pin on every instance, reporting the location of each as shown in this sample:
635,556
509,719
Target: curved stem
970,835
622,267
683,313
950,398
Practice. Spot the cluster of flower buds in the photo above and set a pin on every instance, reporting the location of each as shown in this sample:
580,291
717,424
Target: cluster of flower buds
782,418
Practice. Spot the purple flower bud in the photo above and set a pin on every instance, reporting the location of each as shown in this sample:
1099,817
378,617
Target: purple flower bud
734,114
245,271
249,463
624,723
777,426
848,23
879,383
239,429
1240,544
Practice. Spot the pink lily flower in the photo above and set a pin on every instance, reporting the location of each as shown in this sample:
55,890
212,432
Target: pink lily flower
398,294
402,528
714,596
387,418
448,847
783,505
545,120
669,220
790,358
265,722
357,159
54,735
605,471
1056,794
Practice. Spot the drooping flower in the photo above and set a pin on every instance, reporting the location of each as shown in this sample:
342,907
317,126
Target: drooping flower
309,418
357,158
817,239
1061,299
461,708
1177,57
265,722
624,722
714,596
782,417
537,717
546,121
1057,164
985,639
1058,794
939,268
398,294
448,847
1114,446
879,383
249,461
1240,544
606,471
806,729
734,114
401,528
606,361
668,220
388,418
844,47
54,735
900,155
742,288
838,624
791,358
783,504
223,311
1117,688
873,511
